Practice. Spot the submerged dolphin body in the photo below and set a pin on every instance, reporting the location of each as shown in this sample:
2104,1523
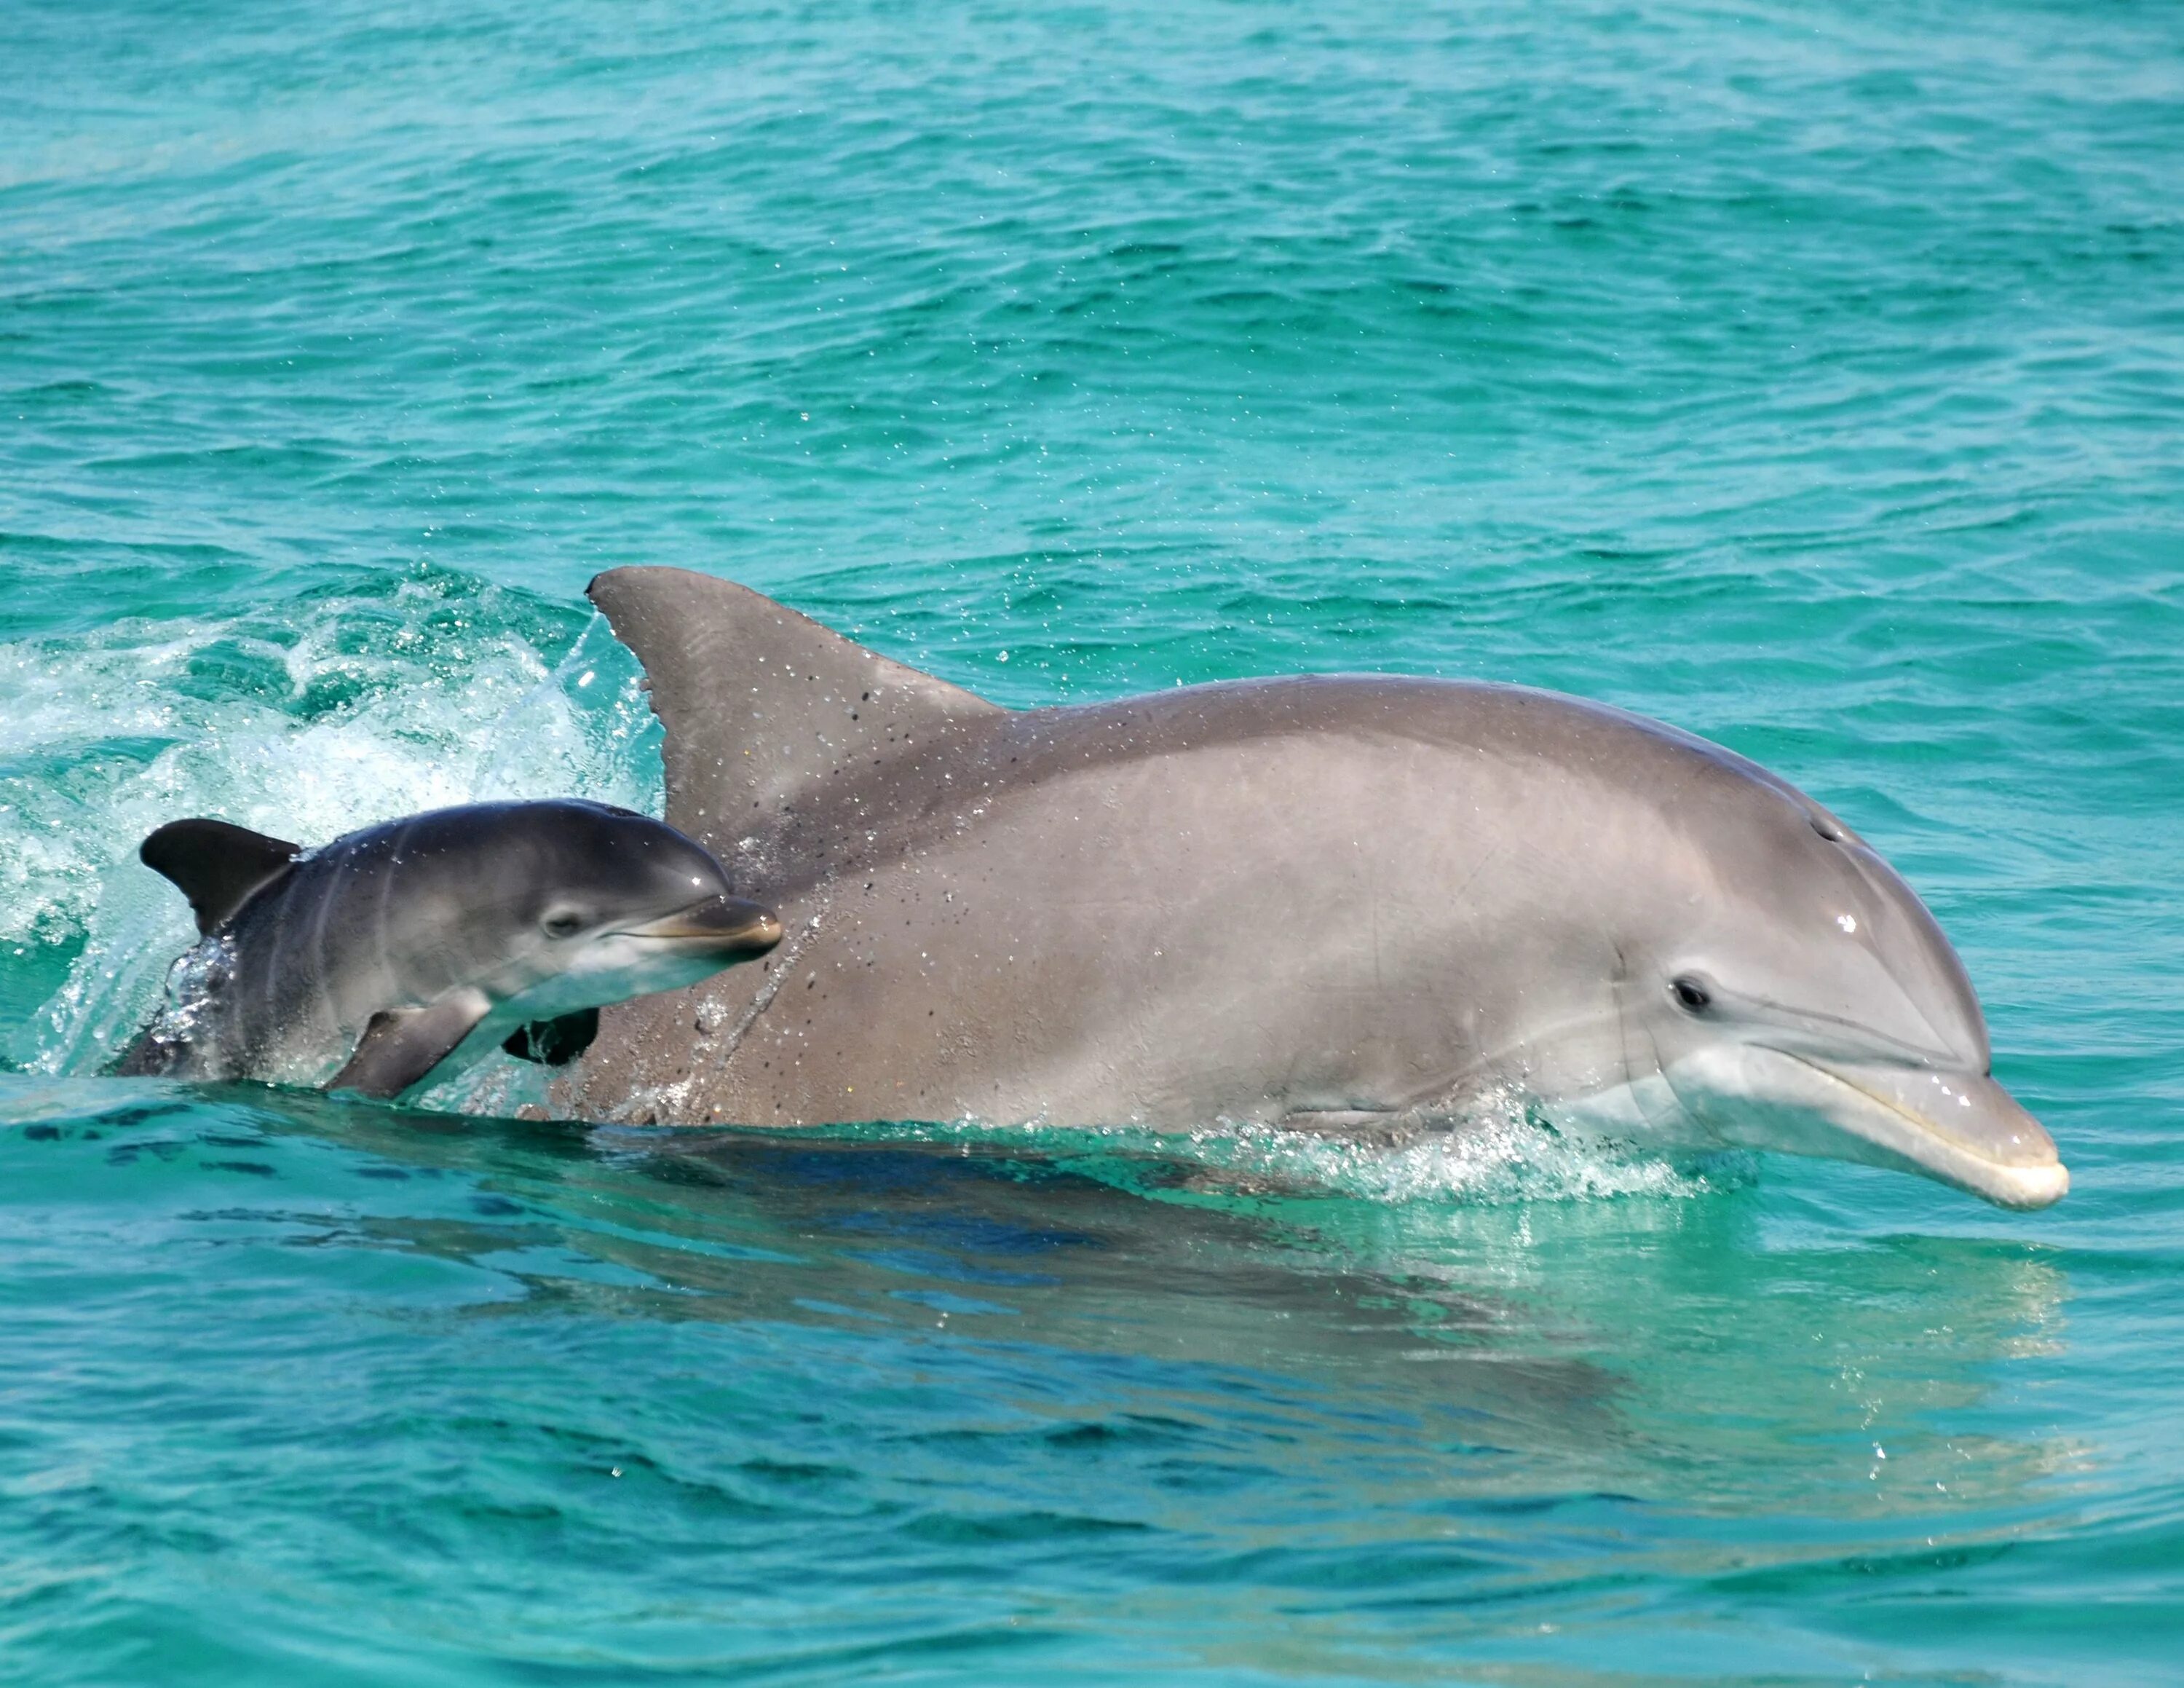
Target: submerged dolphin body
1319,901
409,948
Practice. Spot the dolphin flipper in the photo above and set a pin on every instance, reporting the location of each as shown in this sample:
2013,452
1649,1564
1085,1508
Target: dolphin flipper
217,866
401,1045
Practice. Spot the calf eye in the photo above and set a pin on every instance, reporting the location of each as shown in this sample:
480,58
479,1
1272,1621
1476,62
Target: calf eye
563,923
1692,993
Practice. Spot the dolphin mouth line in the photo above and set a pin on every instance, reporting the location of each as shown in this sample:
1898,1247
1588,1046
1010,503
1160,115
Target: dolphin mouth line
1936,1052
725,923
1949,1157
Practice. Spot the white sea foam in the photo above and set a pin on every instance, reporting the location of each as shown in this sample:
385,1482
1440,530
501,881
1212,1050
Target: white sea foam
1492,1151
1496,1154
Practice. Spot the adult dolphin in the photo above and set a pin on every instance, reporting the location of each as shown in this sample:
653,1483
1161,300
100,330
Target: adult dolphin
407,949
1312,901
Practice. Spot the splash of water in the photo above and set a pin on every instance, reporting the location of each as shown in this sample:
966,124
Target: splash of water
1496,1150
303,721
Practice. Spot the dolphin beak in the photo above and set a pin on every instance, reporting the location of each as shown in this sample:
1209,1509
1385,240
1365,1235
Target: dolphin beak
726,927
1961,1129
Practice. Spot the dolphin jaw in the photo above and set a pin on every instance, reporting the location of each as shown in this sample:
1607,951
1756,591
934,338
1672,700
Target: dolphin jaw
726,926
1959,1128
1964,1129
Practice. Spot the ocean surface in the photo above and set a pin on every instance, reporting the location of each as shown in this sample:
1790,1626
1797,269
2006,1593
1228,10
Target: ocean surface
1808,375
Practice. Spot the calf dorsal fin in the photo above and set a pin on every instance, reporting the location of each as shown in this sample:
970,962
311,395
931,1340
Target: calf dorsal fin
217,865
759,702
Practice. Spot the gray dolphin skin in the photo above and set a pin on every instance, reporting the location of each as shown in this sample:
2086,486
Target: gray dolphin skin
1326,902
407,949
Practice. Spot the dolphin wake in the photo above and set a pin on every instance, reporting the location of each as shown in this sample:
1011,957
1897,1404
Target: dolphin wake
1498,1152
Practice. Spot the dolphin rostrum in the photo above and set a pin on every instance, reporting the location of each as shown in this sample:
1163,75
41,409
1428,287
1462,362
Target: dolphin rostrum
1322,901
409,948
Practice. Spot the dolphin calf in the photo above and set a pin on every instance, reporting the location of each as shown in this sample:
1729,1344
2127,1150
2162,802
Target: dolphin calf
407,949
1323,901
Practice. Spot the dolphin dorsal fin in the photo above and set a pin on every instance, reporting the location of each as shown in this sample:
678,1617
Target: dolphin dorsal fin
758,701
217,866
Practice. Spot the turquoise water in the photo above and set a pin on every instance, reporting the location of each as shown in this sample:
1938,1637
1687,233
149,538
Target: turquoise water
1808,375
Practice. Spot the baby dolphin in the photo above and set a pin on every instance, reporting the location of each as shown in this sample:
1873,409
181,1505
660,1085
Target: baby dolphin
409,948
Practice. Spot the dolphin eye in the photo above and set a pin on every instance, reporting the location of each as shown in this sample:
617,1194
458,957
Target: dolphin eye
563,923
1692,994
